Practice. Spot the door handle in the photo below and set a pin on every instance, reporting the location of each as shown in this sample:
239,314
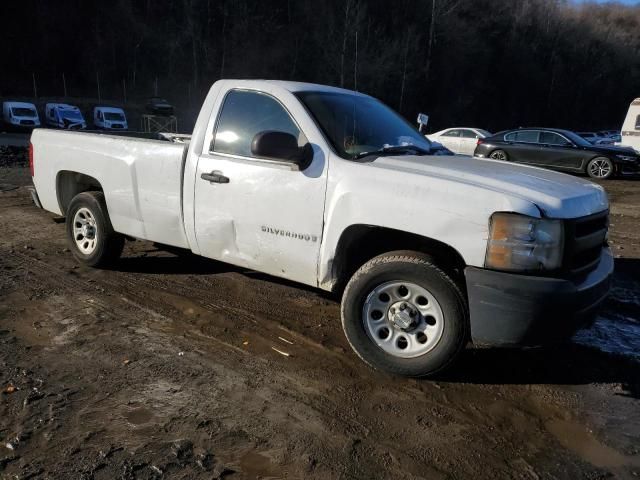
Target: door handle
215,177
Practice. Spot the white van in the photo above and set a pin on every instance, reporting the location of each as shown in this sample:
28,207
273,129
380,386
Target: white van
62,115
20,115
631,126
110,118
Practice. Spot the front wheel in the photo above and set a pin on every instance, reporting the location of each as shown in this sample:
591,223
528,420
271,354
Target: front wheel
91,237
600,168
403,315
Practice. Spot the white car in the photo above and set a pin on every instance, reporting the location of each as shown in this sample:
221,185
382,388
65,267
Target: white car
331,188
460,140
20,115
62,115
110,118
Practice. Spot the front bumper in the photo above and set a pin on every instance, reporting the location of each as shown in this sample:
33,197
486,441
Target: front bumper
511,309
628,169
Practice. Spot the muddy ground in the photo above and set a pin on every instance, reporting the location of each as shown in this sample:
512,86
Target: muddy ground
166,367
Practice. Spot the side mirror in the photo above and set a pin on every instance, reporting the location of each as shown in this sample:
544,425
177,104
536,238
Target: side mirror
423,119
281,146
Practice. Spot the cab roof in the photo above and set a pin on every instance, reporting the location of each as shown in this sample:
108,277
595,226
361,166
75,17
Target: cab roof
293,87
109,109
20,104
62,106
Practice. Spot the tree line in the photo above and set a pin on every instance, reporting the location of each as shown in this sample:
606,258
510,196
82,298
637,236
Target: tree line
489,63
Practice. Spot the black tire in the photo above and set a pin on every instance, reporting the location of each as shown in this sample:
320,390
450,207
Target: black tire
419,269
600,168
499,155
108,244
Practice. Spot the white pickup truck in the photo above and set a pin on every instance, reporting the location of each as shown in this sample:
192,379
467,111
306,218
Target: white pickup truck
331,188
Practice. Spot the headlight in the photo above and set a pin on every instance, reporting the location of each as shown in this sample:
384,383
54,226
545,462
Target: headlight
627,158
521,243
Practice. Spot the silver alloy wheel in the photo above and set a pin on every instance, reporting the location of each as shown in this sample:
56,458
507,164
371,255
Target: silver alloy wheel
85,232
600,168
498,155
403,319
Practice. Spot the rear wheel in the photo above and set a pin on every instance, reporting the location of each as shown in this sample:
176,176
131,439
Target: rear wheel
89,231
499,155
600,168
403,315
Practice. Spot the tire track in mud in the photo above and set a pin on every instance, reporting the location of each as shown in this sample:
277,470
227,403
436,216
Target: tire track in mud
282,389
335,421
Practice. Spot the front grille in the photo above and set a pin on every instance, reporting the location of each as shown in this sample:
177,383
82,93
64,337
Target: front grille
584,239
27,122
116,125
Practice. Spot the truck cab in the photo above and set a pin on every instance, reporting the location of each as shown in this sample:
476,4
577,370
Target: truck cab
109,118
20,115
64,116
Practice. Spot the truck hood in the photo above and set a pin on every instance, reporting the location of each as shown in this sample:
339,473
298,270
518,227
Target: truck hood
557,195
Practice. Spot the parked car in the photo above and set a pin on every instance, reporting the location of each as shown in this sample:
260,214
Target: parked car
459,140
333,189
612,134
63,115
20,115
631,127
109,118
596,138
559,150
159,106
590,137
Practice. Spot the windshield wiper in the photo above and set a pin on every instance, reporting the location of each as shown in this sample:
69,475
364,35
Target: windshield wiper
391,149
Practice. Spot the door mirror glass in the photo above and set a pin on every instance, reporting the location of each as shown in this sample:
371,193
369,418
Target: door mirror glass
278,145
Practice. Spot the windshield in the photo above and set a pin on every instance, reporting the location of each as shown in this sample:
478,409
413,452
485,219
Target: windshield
23,112
71,115
114,116
356,124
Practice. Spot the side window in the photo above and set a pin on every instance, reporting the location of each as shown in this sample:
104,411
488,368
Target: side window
551,138
245,114
510,137
452,133
638,122
527,136
469,134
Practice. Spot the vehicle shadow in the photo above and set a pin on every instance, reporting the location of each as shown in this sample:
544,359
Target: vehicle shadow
567,364
628,267
183,264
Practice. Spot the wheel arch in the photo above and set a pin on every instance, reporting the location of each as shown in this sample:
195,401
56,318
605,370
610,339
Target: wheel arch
70,183
360,243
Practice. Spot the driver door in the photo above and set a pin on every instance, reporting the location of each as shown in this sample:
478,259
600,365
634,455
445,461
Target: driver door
259,213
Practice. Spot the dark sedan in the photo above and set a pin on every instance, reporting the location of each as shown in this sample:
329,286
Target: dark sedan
559,150
159,106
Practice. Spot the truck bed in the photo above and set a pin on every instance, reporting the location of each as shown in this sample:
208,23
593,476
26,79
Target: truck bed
141,179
